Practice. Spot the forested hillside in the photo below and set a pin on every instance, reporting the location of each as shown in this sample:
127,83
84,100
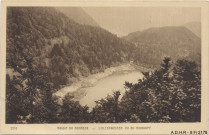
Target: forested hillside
153,44
60,47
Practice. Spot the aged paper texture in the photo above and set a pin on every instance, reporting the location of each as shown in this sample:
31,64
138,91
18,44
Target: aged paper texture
104,67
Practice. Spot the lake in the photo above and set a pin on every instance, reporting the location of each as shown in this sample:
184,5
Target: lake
94,87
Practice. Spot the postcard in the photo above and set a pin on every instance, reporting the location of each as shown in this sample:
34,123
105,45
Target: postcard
104,67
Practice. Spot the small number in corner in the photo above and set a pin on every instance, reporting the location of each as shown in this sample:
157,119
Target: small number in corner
13,128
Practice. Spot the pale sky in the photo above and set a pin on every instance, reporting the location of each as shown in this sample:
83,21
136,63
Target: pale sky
124,20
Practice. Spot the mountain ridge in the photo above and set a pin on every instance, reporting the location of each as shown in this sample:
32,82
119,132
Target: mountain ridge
195,27
156,43
78,15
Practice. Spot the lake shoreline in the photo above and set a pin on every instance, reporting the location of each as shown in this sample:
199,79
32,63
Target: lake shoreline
91,80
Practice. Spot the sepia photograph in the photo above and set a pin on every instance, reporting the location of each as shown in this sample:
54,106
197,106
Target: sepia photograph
103,64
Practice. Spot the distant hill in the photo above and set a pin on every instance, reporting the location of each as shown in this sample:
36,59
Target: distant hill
78,15
195,27
132,36
154,44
